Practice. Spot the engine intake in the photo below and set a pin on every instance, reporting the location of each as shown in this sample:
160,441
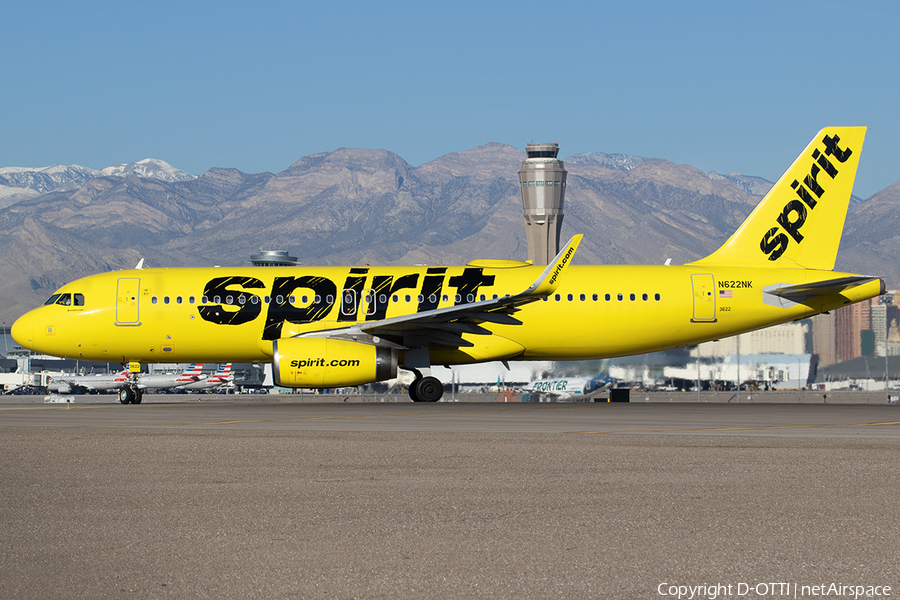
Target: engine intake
324,363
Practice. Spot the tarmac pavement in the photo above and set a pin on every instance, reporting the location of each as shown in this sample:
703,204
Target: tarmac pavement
232,499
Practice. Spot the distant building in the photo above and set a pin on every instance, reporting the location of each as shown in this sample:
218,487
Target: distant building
779,370
542,180
823,339
879,328
788,338
892,325
869,328
850,322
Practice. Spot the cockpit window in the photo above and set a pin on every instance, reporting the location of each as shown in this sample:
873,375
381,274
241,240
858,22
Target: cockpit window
65,300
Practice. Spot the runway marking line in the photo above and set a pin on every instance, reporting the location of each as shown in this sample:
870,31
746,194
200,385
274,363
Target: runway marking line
491,410
58,407
366,416
115,406
758,428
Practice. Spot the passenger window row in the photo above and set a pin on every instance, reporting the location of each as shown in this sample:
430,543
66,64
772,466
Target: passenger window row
607,297
76,299
350,298
382,298
168,300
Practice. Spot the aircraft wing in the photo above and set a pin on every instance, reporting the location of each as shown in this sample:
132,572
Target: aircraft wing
64,386
445,326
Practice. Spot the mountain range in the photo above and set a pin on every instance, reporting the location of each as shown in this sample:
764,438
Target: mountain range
358,206
19,183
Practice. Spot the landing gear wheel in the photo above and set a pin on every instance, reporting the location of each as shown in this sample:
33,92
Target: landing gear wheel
138,397
413,390
429,389
126,395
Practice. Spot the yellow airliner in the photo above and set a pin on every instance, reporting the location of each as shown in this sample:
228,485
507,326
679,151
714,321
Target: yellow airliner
325,327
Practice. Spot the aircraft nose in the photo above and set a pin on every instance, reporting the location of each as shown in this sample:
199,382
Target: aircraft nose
23,330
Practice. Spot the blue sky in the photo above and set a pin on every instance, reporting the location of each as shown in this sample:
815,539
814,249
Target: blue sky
256,85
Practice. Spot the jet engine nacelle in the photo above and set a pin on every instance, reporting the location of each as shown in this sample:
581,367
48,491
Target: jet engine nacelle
323,363
61,387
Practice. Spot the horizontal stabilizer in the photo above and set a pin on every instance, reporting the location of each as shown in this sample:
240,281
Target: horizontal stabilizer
821,288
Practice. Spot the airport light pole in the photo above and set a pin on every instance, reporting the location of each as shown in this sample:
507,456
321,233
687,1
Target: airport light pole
698,379
453,385
737,340
866,359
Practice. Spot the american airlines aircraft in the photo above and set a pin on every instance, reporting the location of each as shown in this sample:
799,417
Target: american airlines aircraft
222,376
325,327
65,384
167,381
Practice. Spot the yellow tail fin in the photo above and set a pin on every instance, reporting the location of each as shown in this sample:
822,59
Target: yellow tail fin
800,221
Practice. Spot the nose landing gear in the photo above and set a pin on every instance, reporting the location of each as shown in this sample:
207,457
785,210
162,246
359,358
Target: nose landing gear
130,395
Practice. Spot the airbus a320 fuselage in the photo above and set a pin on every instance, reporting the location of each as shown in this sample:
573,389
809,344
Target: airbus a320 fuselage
338,326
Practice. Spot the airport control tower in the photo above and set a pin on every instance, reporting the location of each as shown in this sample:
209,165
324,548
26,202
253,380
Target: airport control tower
273,258
543,183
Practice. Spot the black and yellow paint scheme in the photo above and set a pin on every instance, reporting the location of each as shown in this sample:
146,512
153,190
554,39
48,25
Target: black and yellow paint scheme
338,326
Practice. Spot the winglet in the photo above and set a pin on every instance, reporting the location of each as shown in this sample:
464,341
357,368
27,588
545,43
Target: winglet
549,280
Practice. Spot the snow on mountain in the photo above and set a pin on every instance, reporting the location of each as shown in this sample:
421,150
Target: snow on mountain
20,183
620,162
45,179
755,186
149,168
11,195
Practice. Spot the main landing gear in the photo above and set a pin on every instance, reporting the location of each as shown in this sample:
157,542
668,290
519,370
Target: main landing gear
130,395
425,389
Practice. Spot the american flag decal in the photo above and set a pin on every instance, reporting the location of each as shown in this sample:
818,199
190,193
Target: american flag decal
725,293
